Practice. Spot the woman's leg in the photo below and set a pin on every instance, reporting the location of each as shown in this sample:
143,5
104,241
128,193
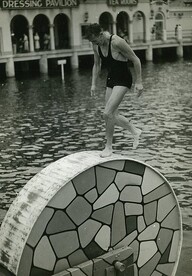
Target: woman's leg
124,123
113,99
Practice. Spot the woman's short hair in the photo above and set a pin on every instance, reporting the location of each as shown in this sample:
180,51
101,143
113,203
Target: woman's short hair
93,29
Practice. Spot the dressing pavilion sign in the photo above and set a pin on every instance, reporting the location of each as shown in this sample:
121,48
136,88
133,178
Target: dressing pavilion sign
37,4
122,2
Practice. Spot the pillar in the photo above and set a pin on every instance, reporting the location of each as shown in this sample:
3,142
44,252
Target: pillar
52,38
179,39
75,40
74,60
149,53
179,33
147,31
31,39
130,28
10,68
43,63
164,35
180,50
114,31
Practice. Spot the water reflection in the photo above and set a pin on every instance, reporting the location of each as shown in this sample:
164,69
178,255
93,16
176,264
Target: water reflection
42,120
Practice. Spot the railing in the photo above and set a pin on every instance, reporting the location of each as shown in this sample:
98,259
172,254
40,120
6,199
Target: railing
138,37
138,40
187,35
171,35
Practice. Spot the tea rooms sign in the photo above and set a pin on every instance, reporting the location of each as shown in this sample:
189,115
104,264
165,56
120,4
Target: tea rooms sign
37,4
122,2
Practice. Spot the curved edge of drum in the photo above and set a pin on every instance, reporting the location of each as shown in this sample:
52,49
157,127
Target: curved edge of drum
37,193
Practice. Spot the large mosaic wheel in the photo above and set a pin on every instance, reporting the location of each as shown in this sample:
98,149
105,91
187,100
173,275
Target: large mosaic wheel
81,207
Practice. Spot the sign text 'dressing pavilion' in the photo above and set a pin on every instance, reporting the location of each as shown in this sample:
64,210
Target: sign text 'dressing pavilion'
36,4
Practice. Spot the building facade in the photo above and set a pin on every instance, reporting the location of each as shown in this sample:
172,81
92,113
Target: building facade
45,29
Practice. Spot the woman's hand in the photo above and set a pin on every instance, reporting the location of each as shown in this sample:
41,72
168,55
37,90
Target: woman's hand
138,88
93,88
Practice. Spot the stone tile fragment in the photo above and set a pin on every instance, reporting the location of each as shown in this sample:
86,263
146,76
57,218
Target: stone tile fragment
64,196
118,233
87,231
79,210
93,250
42,253
146,252
131,194
132,209
159,192
35,271
135,246
141,223
40,226
163,239
61,265
84,181
134,167
92,195
122,179
172,220
108,197
151,180
64,243
174,247
165,269
165,205
104,214
116,165
148,268
77,257
104,178
165,257
150,233
156,273
60,222
131,224
103,237
136,272
150,211
127,240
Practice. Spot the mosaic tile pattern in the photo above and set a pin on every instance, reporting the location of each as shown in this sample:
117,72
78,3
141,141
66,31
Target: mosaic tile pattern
111,205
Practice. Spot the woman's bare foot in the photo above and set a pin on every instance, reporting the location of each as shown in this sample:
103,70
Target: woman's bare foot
136,138
106,152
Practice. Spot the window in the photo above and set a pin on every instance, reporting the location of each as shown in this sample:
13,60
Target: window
85,41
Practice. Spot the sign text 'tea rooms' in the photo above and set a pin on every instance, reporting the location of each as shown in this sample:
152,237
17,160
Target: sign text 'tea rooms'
122,2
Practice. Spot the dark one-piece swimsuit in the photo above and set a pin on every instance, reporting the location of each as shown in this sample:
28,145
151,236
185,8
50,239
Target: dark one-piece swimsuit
118,71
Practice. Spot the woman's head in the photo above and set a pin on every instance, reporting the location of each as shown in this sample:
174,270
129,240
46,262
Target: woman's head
93,30
95,34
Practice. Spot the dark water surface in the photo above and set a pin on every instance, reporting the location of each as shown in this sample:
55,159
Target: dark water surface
42,120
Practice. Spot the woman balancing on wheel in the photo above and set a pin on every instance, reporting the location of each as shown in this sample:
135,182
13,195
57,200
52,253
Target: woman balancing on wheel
115,52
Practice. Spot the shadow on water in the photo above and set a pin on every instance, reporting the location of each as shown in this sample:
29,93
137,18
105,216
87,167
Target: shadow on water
43,119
